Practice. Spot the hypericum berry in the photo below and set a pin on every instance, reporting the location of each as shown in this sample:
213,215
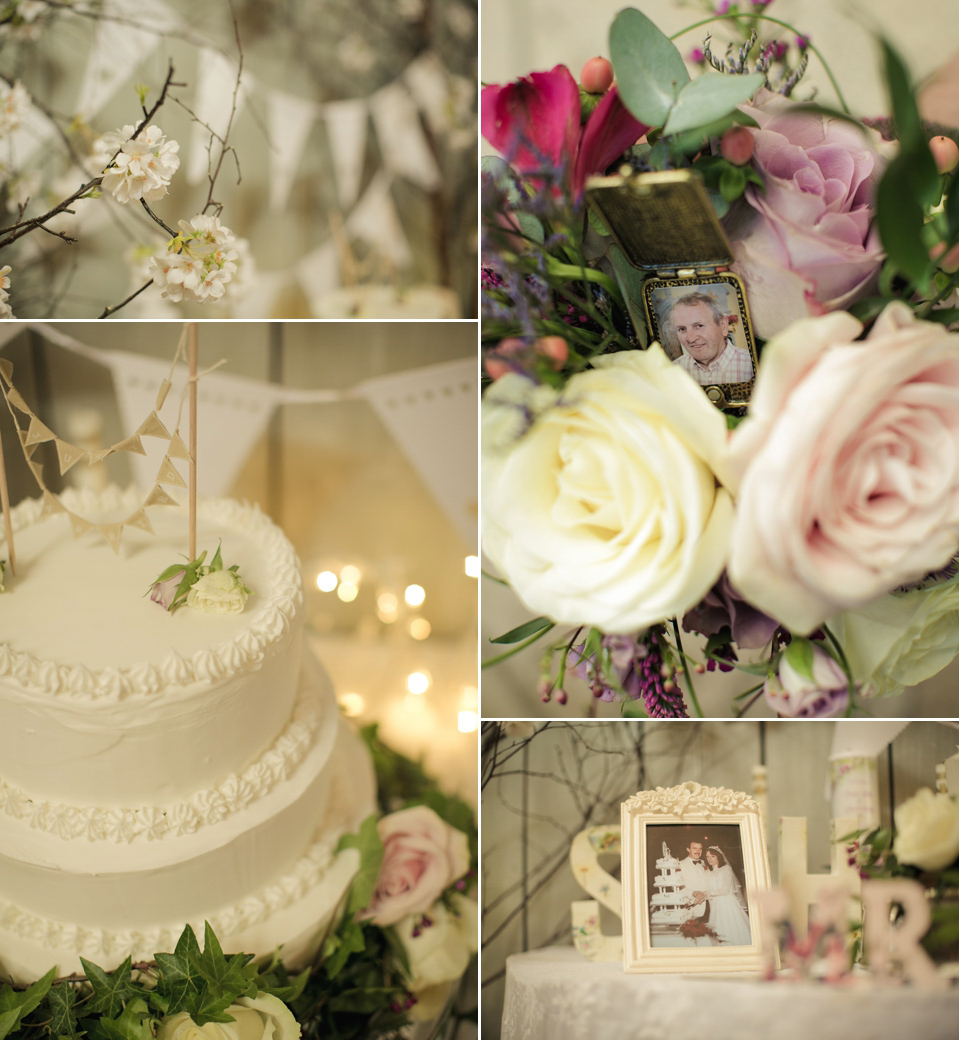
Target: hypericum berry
737,145
945,151
597,76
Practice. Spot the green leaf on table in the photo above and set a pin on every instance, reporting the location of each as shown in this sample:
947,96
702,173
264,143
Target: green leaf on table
708,98
524,631
111,990
370,847
648,67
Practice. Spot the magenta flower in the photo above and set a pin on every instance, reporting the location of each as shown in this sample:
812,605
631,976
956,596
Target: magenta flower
164,591
535,123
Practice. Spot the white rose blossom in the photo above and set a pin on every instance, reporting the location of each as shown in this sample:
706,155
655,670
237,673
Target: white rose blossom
143,166
199,263
219,592
438,954
264,1017
927,830
608,510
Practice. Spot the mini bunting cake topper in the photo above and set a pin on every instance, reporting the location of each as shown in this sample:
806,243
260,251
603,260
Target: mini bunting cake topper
33,432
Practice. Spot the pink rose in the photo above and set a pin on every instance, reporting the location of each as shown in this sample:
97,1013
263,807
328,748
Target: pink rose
163,592
422,856
848,464
808,244
535,123
810,684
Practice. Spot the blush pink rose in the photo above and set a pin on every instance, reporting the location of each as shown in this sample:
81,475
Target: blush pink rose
847,465
422,856
808,243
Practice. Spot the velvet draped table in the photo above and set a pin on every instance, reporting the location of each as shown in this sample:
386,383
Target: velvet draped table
556,994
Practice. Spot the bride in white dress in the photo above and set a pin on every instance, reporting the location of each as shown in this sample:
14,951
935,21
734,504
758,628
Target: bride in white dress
727,905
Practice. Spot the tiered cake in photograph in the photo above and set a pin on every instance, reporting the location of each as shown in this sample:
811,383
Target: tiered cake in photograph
160,769
668,904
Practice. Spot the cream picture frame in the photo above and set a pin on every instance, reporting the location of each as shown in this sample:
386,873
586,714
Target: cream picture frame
661,932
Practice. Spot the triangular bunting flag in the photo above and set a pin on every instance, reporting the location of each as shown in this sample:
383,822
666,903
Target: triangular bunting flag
28,450
130,444
288,125
38,432
346,132
68,454
169,474
6,369
37,469
51,504
213,107
112,534
139,519
99,456
152,427
158,497
403,145
79,525
374,219
13,396
177,448
162,392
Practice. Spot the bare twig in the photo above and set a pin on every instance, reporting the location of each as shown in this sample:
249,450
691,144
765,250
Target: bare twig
107,311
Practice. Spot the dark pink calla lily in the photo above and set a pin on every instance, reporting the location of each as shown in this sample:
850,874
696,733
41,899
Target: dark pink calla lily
535,123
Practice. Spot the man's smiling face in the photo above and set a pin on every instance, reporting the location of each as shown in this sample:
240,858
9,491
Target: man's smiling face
702,337
695,850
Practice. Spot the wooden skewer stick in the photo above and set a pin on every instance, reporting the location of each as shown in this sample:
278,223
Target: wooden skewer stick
193,377
7,523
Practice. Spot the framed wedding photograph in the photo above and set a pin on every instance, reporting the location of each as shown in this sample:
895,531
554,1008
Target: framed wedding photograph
693,860
703,326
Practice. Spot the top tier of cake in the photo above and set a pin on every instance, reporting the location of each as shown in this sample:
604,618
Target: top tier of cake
98,683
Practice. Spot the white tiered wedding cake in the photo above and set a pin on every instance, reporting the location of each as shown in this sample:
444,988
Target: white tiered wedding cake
161,769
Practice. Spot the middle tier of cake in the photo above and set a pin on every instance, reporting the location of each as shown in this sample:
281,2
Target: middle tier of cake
253,854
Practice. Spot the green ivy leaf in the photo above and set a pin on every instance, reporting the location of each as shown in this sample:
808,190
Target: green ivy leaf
708,98
177,988
59,1007
524,631
111,990
338,947
132,1024
370,848
15,1004
648,67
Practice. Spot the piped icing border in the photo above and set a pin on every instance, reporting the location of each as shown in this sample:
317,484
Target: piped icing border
207,666
208,806
305,874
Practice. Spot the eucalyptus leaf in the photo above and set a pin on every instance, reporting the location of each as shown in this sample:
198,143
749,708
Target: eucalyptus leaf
630,280
503,176
732,183
648,67
708,98
530,226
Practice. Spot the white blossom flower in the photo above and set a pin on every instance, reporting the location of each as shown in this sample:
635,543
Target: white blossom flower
197,264
144,165
5,309
21,15
14,102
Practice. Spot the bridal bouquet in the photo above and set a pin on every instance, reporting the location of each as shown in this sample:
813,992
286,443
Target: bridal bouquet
807,532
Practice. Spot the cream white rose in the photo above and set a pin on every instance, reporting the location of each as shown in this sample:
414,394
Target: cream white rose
263,1017
902,638
607,511
927,830
439,954
219,592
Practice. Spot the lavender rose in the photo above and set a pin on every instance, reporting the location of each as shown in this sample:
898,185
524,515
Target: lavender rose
810,683
849,465
164,591
422,856
808,243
